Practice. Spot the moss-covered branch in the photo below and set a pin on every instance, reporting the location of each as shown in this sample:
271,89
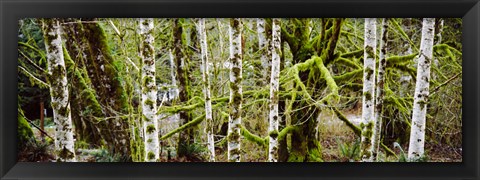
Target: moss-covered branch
39,82
263,141
186,126
343,118
388,151
252,137
356,74
356,54
401,59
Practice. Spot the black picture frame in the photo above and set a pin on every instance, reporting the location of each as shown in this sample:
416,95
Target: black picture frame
12,10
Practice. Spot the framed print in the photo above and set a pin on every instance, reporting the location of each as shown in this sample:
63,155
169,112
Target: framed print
239,89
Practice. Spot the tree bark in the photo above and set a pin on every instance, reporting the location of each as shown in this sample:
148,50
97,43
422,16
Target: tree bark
420,101
182,65
274,87
149,90
235,104
264,33
94,57
380,89
206,89
64,143
368,90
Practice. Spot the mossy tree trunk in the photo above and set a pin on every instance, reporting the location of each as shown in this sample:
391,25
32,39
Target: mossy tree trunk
57,78
93,54
83,98
368,108
235,104
149,90
305,144
420,101
206,90
380,89
274,87
182,64
84,104
282,143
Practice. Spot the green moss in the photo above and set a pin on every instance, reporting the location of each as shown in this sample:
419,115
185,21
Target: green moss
252,137
151,128
186,126
149,102
151,155
401,59
25,132
352,126
64,154
368,95
273,134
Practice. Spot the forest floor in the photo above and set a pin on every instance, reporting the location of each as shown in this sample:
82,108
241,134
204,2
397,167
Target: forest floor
339,144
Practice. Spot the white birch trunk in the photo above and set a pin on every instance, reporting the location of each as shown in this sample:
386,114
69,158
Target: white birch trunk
149,91
64,142
235,117
274,87
206,89
173,92
264,45
417,133
262,41
380,91
368,89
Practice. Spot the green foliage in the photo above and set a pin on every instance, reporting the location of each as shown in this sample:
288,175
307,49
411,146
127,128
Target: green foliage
105,156
195,152
35,151
25,133
349,152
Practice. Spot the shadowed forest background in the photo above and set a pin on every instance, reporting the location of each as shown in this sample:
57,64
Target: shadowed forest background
249,90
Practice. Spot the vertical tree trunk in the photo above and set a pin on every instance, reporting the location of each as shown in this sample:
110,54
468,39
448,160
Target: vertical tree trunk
206,89
264,44
64,143
282,143
181,63
235,117
417,132
368,89
149,91
274,87
42,120
380,91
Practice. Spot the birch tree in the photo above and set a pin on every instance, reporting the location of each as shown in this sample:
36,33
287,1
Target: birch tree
380,91
368,89
420,101
149,90
57,76
264,44
274,86
235,104
206,89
